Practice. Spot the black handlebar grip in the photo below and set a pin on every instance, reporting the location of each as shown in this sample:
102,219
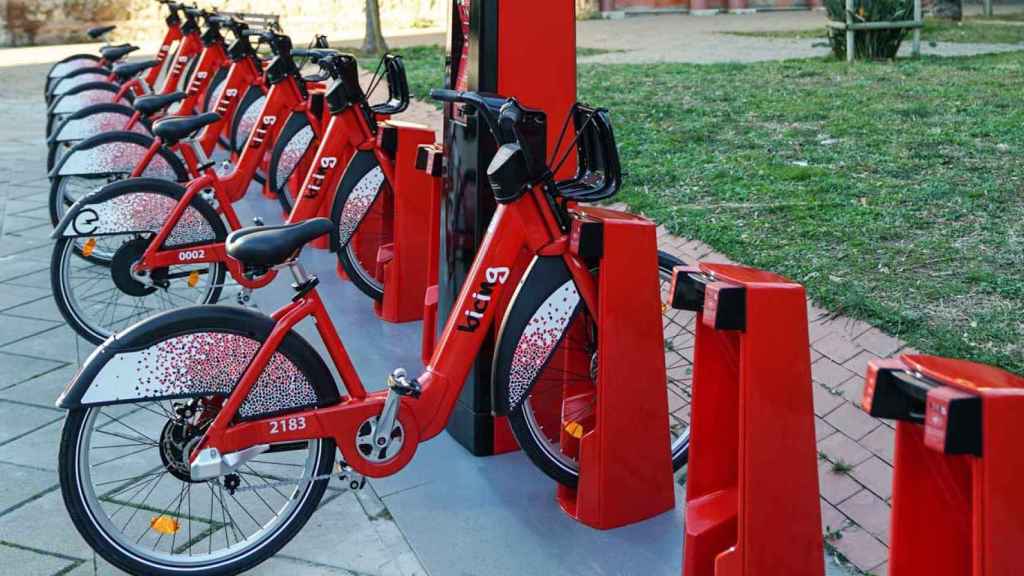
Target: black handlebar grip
445,95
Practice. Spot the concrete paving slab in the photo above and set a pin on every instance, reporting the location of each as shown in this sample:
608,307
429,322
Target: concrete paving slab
42,390
21,484
30,562
20,420
60,344
42,308
11,296
17,266
344,534
44,524
37,449
24,328
16,368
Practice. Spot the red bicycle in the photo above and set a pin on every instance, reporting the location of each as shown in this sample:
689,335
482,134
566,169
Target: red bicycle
86,85
152,245
72,63
206,83
108,156
202,439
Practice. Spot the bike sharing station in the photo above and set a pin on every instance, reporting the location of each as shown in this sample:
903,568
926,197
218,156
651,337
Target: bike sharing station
462,480
499,270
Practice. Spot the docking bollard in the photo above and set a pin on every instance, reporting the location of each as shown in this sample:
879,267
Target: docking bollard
430,161
403,262
752,504
625,466
957,504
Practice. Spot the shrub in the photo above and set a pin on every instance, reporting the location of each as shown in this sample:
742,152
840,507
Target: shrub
870,44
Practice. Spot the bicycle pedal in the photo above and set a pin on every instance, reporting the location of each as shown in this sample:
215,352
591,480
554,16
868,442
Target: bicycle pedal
257,221
401,385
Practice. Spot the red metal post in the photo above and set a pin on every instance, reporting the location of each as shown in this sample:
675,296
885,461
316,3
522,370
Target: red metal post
405,261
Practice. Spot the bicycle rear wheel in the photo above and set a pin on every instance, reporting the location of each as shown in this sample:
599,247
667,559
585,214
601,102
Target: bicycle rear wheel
124,457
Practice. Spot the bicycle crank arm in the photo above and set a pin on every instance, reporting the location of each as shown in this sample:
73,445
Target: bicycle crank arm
210,464
398,386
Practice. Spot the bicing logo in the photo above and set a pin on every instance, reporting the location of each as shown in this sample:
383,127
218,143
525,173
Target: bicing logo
482,298
313,187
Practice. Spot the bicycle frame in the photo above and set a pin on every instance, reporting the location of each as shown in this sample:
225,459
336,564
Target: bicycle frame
526,226
346,132
191,46
212,58
284,98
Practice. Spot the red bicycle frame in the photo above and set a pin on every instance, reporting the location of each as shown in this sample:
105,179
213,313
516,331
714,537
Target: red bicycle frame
242,74
191,45
212,58
283,99
519,230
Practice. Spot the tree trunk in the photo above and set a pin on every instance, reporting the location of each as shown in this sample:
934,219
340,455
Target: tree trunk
373,42
951,9
586,9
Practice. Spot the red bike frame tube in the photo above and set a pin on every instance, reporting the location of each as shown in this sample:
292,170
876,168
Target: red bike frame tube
283,98
211,59
241,75
172,35
190,47
345,132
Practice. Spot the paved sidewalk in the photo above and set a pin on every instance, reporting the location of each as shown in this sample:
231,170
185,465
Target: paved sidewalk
706,39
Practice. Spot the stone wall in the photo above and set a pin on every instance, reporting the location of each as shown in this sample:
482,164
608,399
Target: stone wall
26,22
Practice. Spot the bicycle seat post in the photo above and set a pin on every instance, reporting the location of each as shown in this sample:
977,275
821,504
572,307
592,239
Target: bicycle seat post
299,274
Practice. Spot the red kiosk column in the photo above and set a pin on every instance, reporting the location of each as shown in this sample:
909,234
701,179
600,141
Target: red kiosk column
752,484
957,505
520,48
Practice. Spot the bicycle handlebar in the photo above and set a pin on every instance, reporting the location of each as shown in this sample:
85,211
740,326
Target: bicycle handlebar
489,110
315,55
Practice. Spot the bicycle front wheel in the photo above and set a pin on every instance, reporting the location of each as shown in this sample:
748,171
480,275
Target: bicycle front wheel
363,208
559,408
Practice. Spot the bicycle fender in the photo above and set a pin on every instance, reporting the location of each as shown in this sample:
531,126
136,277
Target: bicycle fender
77,78
81,96
540,312
291,146
200,351
72,63
364,177
247,113
95,119
119,153
117,209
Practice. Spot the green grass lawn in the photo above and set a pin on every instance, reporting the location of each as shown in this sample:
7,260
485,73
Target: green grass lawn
892,191
970,30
